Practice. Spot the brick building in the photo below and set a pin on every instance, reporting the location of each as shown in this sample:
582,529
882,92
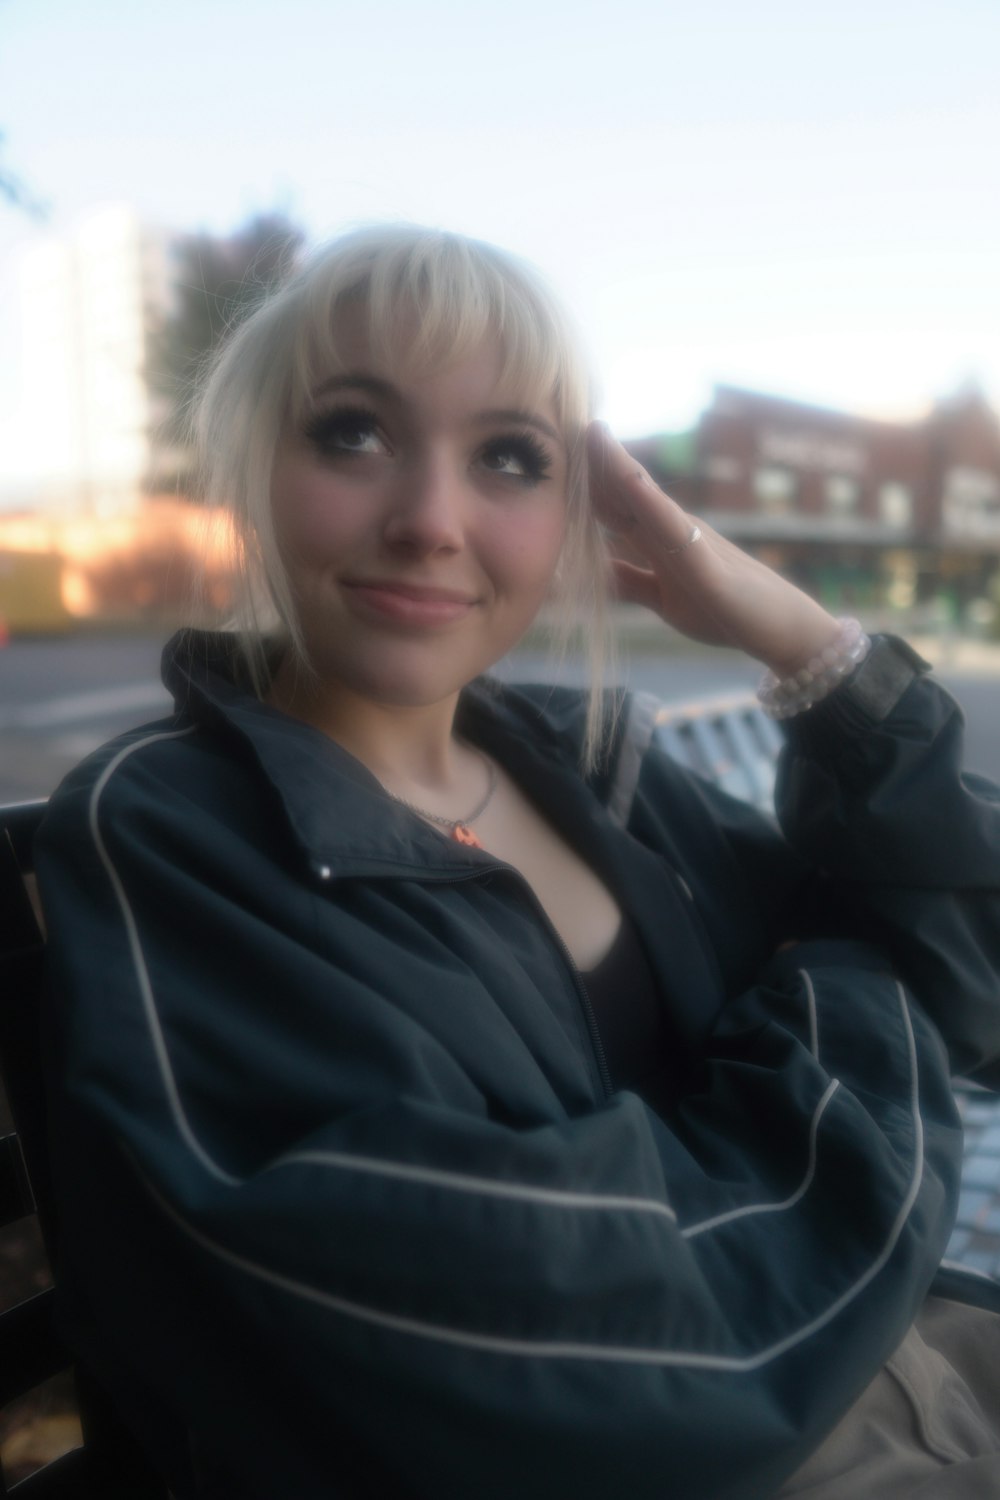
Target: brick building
860,511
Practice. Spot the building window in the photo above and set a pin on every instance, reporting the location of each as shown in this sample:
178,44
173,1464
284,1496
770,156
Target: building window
843,494
895,504
971,502
775,489
722,469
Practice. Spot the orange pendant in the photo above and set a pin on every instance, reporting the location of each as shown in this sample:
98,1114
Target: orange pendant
462,834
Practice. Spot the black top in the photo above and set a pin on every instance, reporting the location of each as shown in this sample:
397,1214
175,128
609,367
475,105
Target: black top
623,995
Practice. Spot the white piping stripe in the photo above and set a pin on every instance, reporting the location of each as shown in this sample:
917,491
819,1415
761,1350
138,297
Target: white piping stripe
813,1023
539,1349
464,1182
769,1208
904,1211
139,961
437,1332
773,1208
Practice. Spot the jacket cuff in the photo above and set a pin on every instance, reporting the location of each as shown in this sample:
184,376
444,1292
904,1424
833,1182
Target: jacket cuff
867,697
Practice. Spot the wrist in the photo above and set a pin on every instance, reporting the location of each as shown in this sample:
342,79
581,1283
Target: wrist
783,697
805,639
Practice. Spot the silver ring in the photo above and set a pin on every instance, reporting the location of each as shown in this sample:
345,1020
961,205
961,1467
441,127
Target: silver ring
694,537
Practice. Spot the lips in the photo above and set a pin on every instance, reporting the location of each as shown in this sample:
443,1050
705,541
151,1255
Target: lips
410,603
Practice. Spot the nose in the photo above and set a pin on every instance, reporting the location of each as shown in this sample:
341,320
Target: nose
427,509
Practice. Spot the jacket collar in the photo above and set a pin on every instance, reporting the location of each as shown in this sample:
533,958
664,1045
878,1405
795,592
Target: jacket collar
347,825
338,812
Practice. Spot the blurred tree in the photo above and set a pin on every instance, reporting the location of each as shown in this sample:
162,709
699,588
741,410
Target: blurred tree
218,282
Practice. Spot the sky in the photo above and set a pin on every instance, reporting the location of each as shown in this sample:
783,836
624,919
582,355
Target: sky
798,198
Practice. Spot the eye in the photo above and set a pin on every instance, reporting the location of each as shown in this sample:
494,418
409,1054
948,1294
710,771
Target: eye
518,456
345,430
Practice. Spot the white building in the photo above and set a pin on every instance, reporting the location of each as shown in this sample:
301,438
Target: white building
89,301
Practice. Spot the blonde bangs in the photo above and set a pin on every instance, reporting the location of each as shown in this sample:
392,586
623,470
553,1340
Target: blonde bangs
463,294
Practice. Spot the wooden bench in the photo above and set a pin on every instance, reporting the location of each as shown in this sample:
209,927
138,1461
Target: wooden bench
729,739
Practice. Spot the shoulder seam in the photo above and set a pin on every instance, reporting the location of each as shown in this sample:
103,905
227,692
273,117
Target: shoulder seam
637,736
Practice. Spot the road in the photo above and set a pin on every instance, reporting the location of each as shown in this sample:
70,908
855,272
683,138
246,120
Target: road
59,699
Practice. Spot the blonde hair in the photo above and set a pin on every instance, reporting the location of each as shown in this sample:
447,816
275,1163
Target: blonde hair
463,292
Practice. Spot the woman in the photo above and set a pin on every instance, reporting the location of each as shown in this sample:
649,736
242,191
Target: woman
478,1103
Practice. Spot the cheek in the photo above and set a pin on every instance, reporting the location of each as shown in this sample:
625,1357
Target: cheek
527,552
313,519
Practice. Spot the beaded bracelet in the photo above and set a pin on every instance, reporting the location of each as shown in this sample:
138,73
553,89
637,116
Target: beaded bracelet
786,696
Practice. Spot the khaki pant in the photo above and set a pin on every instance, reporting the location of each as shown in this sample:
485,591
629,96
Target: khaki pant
928,1426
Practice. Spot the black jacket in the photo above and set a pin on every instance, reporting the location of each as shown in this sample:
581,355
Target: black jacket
350,1206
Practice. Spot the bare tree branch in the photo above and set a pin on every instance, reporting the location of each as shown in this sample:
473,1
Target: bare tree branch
20,196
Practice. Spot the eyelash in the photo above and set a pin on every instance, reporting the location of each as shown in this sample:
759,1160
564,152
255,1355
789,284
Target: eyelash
528,451
324,429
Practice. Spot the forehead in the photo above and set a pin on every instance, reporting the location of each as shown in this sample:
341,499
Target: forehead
459,355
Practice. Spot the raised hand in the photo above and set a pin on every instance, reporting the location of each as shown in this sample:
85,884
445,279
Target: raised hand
692,577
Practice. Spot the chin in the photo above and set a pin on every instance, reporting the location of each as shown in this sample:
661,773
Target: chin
414,672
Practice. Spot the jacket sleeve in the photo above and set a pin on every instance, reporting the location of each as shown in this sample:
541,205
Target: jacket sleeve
411,1294
873,791
883,837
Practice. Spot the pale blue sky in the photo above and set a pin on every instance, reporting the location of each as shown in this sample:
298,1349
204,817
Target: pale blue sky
800,198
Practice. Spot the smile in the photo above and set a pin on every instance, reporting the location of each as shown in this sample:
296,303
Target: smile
408,603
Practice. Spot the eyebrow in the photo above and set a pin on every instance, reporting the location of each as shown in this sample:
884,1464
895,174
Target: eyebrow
520,418
517,416
370,383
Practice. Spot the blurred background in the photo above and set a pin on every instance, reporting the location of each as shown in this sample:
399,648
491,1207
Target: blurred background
779,226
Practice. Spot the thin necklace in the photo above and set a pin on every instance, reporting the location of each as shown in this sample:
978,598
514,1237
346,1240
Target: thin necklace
458,828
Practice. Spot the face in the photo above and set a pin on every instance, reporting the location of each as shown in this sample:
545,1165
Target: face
421,519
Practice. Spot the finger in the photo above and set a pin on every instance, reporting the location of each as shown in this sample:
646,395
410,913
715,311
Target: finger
627,499
635,585
624,545
611,504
